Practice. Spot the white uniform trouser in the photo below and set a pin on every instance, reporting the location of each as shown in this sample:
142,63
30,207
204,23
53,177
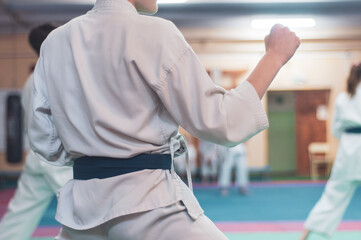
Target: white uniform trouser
329,210
36,187
167,223
239,161
209,167
209,159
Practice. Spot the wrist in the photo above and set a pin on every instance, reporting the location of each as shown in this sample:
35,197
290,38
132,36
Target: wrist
275,59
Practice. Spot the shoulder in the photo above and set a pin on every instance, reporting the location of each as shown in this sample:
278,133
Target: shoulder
161,30
342,98
62,32
158,40
53,37
158,24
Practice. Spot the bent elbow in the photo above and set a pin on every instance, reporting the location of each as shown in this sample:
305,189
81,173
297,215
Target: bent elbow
233,137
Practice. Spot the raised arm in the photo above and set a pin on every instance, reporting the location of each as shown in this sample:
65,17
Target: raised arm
281,44
206,110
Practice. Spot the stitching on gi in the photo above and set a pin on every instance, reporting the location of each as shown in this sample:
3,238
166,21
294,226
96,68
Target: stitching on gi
168,70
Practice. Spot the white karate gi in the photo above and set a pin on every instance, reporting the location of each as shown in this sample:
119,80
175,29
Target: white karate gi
36,188
115,83
235,157
346,172
209,155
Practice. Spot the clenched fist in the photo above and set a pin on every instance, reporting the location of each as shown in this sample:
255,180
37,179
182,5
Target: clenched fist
281,43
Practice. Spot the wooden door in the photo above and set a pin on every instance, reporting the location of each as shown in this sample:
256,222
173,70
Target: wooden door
309,128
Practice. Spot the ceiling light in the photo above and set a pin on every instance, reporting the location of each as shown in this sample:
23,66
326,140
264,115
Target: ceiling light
289,22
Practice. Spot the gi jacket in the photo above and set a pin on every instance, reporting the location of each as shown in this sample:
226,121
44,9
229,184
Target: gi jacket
347,115
115,83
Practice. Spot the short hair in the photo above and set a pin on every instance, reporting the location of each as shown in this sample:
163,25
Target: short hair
38,34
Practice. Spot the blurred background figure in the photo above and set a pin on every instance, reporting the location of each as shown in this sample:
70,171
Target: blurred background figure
346,172
209,159
234,158
39,181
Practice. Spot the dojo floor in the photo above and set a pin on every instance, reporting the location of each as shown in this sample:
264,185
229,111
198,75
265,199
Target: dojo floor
272,211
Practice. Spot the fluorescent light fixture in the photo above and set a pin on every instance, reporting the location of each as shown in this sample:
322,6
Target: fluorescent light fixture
289,22
171,1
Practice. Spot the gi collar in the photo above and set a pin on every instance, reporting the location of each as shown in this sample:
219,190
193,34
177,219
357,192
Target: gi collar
123,5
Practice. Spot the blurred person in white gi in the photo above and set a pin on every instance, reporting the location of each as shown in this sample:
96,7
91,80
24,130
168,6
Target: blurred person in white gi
111,88
234,158
39,181
209,159
346,171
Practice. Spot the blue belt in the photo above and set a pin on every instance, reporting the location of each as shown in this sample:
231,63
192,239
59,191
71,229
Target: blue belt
353,130
87,167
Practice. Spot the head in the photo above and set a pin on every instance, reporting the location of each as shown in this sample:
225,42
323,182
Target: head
354,79
38,34
145,6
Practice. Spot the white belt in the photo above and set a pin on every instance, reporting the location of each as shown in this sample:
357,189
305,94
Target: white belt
178,147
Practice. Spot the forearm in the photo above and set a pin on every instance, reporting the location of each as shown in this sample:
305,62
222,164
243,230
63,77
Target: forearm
280,44
264,73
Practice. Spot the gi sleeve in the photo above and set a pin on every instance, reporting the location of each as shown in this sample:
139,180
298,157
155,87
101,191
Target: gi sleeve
25,99
43,136
206,110
337,126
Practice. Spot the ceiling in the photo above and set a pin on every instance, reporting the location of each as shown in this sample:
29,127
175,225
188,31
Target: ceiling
20,15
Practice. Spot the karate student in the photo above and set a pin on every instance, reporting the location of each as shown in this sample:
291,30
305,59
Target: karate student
235,157
110,91
39,181
209,158
346,171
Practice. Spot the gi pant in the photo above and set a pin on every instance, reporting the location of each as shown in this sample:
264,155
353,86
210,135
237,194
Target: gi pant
239,161
340,188
167,223
37,185
329,210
